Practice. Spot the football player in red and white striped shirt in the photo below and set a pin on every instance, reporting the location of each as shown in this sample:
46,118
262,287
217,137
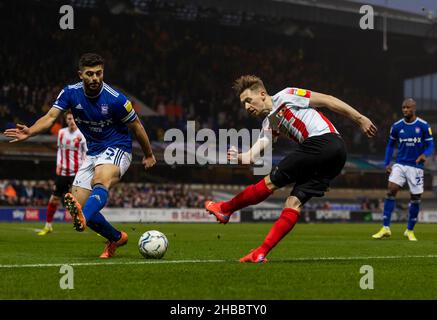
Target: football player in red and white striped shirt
318,159
71,153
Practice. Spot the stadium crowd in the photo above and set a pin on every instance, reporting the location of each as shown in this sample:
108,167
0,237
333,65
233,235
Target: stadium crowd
124,195
25,192
182,71
146,195
156,196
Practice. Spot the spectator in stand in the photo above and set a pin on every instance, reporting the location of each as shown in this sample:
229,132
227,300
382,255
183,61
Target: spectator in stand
10,194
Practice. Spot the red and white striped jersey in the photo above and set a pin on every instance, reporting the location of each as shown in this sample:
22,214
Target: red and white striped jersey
293,117
71,151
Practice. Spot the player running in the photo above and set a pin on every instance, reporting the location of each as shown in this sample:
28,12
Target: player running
319,157
71,153
415,143
105,117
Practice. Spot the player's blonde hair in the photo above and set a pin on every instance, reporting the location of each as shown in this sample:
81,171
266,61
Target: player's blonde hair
247,82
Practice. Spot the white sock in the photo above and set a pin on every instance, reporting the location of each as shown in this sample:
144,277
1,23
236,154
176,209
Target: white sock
48,225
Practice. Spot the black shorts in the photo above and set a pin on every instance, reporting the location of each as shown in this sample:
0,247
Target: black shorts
311,166
62,185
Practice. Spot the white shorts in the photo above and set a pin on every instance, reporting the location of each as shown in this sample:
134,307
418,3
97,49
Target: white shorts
116,156
414,176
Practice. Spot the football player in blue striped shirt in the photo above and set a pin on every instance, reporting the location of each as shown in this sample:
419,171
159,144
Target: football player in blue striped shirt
106,118
413,137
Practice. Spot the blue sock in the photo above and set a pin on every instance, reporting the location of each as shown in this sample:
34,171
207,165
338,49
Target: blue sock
99,224
95,202
389,205
413,213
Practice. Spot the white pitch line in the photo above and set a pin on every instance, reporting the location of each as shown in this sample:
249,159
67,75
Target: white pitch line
79,264
35,230
361,258
42,265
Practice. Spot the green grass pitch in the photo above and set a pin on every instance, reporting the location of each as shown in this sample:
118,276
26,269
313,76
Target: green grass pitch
315,261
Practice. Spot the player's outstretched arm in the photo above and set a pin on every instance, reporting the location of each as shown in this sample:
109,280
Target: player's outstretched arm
140,134
341,107
22,132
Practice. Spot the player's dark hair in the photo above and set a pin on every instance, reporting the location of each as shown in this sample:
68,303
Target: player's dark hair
90,60
66,113
247,82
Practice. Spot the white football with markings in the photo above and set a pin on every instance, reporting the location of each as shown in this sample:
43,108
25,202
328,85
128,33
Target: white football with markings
153,244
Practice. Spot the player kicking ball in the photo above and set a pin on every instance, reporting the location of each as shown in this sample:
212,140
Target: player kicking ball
415,143
319,157
71,153
105,117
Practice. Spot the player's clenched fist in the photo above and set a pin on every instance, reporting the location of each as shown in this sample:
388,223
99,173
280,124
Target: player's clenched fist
20,133
149,161
233,154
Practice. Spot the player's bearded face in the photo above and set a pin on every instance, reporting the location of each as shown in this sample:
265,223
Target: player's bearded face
92,78
254,101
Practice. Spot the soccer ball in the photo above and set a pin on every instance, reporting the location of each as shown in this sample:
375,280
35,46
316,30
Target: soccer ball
153,244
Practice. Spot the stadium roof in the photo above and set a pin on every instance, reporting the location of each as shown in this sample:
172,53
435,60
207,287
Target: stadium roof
344,13
335,12
353,6
422,7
